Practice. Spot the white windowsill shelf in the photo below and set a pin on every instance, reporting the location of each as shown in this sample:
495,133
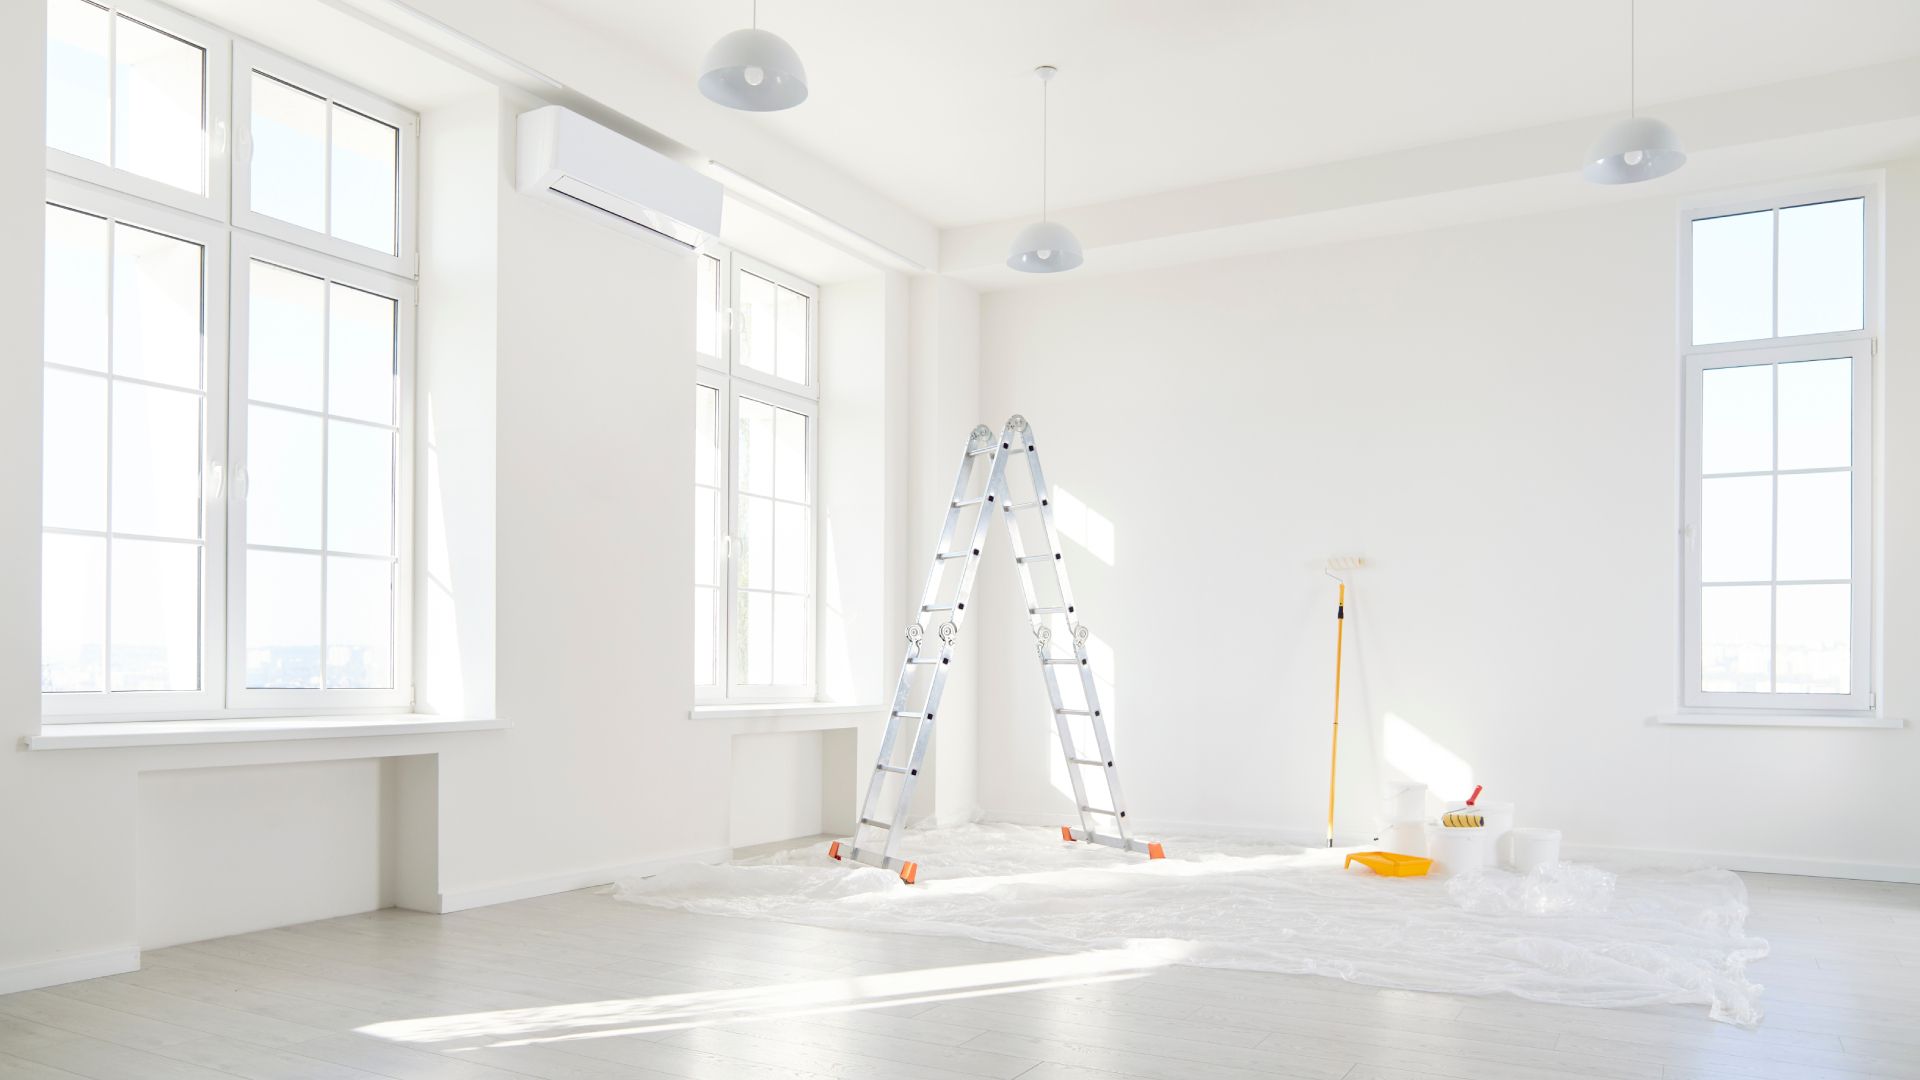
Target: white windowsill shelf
777,710
119,733
1819,720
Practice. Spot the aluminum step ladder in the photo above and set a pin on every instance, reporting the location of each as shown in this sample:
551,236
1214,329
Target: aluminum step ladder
875,840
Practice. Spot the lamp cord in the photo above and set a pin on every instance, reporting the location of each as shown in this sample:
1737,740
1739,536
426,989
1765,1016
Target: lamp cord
1633,58
1043,148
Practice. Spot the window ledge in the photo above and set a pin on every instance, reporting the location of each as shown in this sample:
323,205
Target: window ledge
270,729
776,710
1821,720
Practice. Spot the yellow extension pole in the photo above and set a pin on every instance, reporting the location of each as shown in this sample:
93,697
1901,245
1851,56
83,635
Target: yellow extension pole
1339,644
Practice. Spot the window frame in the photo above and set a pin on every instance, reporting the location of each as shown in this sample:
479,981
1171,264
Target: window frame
733,381
216,106
249,58
229,235
247,249
1862,347
215,270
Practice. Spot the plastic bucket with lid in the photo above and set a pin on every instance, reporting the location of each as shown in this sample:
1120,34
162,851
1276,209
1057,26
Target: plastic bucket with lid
1405,803
1534,848
1456,851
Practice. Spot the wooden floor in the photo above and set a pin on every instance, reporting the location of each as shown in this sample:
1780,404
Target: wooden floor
581,986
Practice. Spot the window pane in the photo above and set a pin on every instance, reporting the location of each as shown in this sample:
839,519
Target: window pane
1816,526
1733,278
790,455
366,178
159,87
793,336
1815,656
360,493
73,613
289,153
74,458
359,623
1737,529
1734,631
155,617
759,332
756,543
285,332
283,479
1823,267
156,461
703,637
76,302
706,319
789,640
283,620
792,548
706,435
156,307
1736,418
78,120
361,344
753,651
706,537
1816,414
756,447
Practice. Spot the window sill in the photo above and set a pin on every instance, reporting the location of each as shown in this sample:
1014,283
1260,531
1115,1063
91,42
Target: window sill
777,710
1818,720
274,729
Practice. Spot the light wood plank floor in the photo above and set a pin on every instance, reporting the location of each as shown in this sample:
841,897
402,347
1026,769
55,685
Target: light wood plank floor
580,986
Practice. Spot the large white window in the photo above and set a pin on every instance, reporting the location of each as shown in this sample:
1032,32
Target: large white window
1776,336
227,417
755,415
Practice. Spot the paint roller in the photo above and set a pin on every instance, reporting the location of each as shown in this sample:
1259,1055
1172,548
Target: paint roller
1336,567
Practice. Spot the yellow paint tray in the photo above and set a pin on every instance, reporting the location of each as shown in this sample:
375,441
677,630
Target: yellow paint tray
1387,864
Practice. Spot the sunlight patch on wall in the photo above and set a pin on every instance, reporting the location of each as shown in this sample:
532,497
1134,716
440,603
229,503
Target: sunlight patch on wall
1416,754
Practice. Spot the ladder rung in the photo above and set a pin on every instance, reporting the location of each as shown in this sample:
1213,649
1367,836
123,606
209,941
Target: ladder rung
923,660
975,501
1096,810
953,555
911,715
1061,660
1036,558
1028,505
1048,610
936,607
881,824
1089,761
982,450
1062,712
894,769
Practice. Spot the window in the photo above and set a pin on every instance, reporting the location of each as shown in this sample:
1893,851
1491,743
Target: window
755,414
227,416
1778,367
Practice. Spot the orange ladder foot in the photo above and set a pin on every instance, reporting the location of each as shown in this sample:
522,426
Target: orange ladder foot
1066,834
1154,852
833,849
909,872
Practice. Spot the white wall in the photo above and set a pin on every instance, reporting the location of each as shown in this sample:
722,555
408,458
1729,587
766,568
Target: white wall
1488,415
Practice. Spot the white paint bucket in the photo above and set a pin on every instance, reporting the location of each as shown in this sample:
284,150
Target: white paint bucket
1456,851
1405,803
1534,848
1406,838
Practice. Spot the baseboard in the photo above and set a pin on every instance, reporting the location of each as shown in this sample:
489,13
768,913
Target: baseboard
68,969
1746,863
527,889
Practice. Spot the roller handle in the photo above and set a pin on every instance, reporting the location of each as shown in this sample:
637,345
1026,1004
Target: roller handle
1476,794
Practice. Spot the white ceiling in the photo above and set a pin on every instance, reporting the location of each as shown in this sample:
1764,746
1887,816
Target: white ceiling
934,104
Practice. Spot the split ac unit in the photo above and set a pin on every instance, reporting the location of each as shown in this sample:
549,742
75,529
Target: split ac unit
566,154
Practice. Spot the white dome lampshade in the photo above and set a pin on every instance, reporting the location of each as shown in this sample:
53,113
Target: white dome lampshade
1045,247
753,70
1637,148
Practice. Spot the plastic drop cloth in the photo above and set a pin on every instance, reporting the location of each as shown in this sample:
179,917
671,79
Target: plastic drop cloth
1568,934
